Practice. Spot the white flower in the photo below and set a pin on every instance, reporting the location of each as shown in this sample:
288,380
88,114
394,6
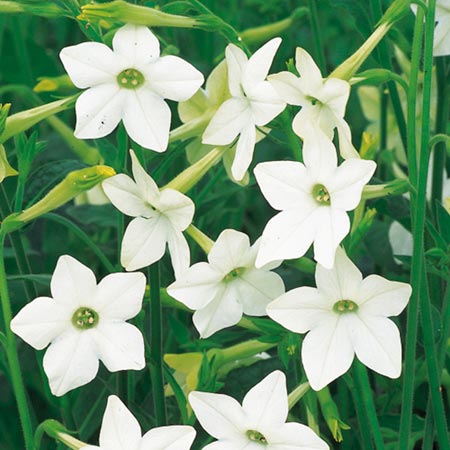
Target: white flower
260,423
84,322
128,83
323,102
313,199
253,102
345,315
228,285
160,218
121,431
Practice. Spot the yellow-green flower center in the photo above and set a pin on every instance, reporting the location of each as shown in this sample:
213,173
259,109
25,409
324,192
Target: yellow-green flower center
320,194
84,318
345,306
256,436
235,273
314,101
130,79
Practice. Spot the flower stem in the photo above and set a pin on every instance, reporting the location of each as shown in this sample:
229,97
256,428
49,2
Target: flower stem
156,369
363,385
314,18
12,356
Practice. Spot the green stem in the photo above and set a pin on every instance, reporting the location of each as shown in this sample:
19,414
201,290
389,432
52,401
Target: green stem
362,381
12,356
314,18
156,369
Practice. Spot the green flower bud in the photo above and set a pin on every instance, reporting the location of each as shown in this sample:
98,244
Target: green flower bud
331,414
44,9
395,187
62,83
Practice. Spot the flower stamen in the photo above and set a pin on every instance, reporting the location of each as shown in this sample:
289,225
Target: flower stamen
345,306
321,195
85,318
130,79
256,436
235,273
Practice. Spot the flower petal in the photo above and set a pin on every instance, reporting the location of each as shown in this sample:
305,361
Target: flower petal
70,361
149,190
220,415
266,404
73,284
120,430
377,344
120,346
146,117
244,152
236,62
41,321
300,309
265,103
144,242
126,196
173,78
197,286
295,436
308,70
259,63
334,94
137,45
320,157
346,147
238,443
98,110
91,63
120,295
173,437
288,88
228,121
441,44
179,251
327,351
177,207
381,297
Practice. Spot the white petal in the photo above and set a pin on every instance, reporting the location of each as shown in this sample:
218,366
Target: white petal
441,45
244,152
377,344
90,63
401,239
120,430
222,312
228,251
120,295
70,361
146,117
41,321
173,437
346,147
228,121
99,110
137,45
265,103
284,184
300,309
266,404
144,242
220,415
320,157
334,94
346,186
73,284
327,352
179,251
308,70
148,188
342,282
197,286
173,78
120,346
288,88
381,297
236,62
288,235
332,226
237,443
257,288
177,207
217,84
314,120
294,436
125,195
259,63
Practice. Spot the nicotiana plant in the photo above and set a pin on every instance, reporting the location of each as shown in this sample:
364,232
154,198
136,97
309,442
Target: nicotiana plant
221,324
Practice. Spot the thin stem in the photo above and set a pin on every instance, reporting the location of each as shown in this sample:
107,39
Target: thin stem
156,369
314,18
12,356
362,381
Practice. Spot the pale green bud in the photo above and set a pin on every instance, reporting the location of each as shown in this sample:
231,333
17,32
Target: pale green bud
5,169
202,240
62,83
331,414
4,111
44,9
395,187
59,432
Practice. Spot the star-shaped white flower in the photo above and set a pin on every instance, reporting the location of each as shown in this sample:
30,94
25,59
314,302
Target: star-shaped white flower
313,198
229,285
260,423
345,315
160,219
323,102
121,431
254,102
128,83
84,323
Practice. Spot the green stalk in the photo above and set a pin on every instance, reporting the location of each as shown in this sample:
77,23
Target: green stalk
314,18
156,369
362,381
12,356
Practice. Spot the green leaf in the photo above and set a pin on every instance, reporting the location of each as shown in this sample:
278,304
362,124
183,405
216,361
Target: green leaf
360,12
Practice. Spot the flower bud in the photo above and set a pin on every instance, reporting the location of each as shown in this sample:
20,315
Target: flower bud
44,9
331,414
62,83
395,187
